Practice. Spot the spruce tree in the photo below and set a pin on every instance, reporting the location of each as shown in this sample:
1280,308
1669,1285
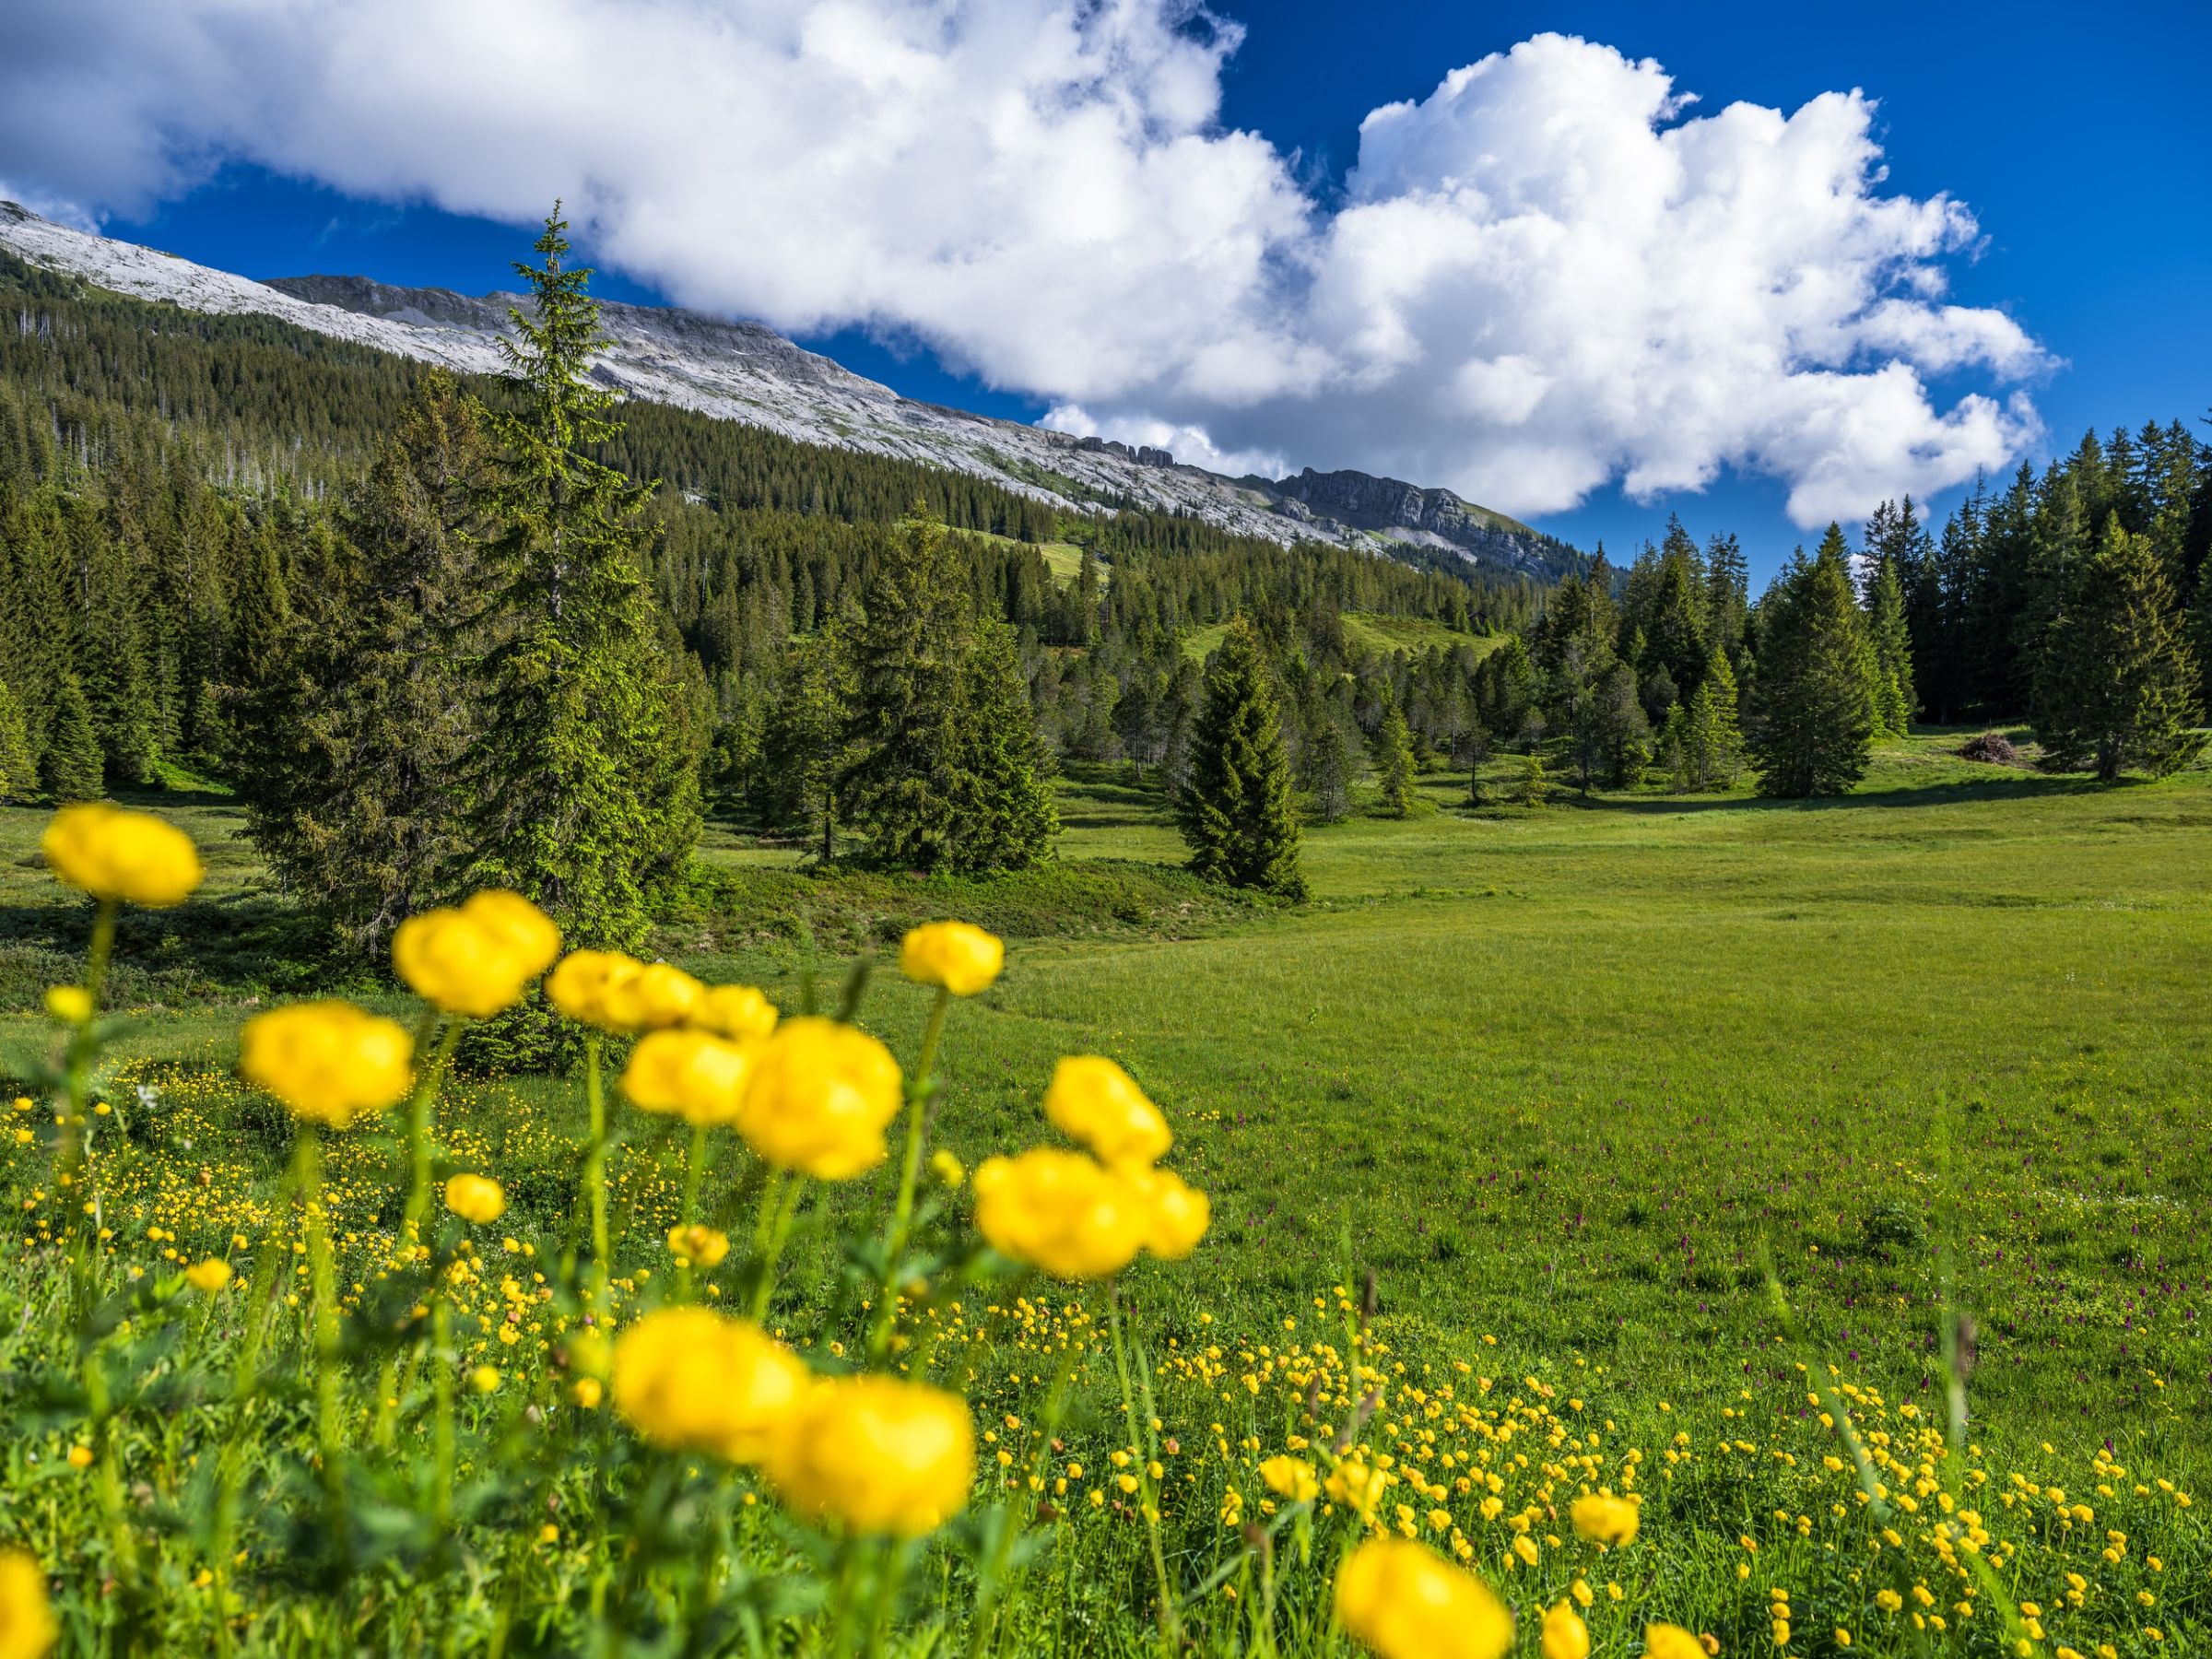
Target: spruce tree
18,767
903,786
802,740
1895,703
2119,685
1815,734
1393,757
1006,815
71,769
584,799
1712,740
1236,811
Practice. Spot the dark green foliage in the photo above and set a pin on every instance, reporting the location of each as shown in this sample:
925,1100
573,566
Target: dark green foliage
1887,632
1815,708
71,769
2119,685
350,750
1711,741
18,765
1394,758
803,741
582,790
1236,811
1005,817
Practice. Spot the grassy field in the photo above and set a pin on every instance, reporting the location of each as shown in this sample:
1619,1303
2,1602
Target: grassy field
1372,630
1567,1082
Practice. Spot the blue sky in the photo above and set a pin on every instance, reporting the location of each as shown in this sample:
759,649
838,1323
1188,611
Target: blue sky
2077,141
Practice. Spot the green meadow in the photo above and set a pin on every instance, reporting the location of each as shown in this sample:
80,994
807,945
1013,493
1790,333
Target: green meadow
1576,1075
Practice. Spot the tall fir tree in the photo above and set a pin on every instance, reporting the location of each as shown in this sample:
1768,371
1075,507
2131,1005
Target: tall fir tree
1393,757
2119,687
1894,698
902,785
1814,731
583,799
71,768
1006,812
1712,740
802,740
1236,812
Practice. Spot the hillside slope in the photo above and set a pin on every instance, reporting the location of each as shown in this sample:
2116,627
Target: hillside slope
745,372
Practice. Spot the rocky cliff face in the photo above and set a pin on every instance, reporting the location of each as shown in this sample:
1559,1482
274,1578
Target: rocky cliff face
743,371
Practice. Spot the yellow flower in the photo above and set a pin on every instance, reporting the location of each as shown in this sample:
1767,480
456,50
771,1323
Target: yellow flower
1176,1213
947,1168
476,1198
877,1455
963,959
1357,1486
80,1458
1403,1601
693,1074
72,1005
1095,1101
587,1392
327,1061
478,959
209,1276
1605,1520
652,998
1565,1634
1671,1642
738,1012
691,1380
485,1379
820,1095
113,853
1062,1211
580,984
1290,1478
26,1627
700,1246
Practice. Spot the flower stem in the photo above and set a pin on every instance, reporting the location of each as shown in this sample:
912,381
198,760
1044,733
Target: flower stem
595,1174
694,1169
919,1093
777,1208
329,1431
1170,1633
74,1171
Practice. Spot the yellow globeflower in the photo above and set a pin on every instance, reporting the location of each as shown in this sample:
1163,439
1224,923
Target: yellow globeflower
741,1012
652,998
1605,1520
691,1380
580,985
1062,1211
72,1005
1671,1642
1095,1101
329,1062
877,1455
1403,1601
963,959
700,1246
691,1074
1565,1634
26,1627
209,1276
1356,1485
1290,1478
113,853
1176,1213
476,1198
820,1095
479,958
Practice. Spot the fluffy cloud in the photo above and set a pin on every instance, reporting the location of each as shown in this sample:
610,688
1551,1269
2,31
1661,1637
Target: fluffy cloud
1545,276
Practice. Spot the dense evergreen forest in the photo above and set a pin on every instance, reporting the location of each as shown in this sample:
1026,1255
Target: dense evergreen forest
196,510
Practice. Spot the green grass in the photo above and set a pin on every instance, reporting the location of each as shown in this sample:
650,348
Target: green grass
1567,1072
1373,631
1064,560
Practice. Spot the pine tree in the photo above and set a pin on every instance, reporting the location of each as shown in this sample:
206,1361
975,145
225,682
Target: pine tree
1712,741
902,786
72,767
1236,811
582,800
1815,733
1005,813
18,767
2118,691
1393,757
802,739
1535,789
1895,703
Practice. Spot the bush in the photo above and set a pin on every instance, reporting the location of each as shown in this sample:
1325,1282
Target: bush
1993,747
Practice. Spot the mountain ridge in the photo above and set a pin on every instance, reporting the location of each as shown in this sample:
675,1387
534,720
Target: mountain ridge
744,371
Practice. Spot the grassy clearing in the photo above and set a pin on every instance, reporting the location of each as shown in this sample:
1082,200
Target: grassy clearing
1373,631
1566,1080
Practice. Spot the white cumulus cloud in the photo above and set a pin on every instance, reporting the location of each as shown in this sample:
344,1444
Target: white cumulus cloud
1550,273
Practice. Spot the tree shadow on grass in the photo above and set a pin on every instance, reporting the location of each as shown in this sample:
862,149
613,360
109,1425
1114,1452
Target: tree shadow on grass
203,950
2019,786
